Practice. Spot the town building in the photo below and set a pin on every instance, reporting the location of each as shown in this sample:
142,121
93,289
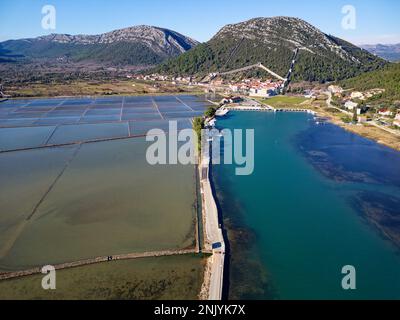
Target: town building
263,92
350,105
385,112
335,89
396,121
256,87
357,95
373,92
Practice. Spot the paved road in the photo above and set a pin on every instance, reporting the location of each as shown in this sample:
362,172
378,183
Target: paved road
330,105
213,231
217,275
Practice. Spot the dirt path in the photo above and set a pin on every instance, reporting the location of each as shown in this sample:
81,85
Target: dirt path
129,256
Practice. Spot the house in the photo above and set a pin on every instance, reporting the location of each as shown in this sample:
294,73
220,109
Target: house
255,92
357,95
224,101
373,92
350,105
396,121
263,92
335,89
385,112
234,88
235,99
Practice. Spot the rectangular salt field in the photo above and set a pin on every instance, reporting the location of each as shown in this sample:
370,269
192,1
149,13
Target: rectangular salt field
126,280
139,110
22,138
64,113
181,115
49,102
56,121
174,108
100,119
138,99
88,132
95,197
98,199
77,102
109,100
25,176
198,104
99,112
41,112
139,105
25,115
35,109
161,99
142,128
141,116
6,123
202,108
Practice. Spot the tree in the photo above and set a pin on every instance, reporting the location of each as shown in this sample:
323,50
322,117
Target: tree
210,112
198,125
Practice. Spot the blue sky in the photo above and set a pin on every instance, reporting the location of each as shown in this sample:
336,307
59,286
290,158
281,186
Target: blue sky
377,20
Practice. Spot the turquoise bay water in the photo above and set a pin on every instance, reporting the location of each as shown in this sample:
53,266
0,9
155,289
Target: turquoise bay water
306,228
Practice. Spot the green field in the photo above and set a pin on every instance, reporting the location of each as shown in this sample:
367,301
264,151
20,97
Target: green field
283,101
166,278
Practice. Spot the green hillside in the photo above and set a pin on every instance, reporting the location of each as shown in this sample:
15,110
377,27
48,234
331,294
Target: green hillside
387,78
135,46
118,53
272,41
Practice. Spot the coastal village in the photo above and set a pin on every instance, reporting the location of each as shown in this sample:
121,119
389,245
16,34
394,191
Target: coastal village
358,107
249,86
357,103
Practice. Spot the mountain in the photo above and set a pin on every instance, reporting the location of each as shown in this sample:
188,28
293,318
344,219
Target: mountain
272,41
139,45
390,52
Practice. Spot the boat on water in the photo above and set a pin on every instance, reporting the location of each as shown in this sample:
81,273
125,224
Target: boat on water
221,112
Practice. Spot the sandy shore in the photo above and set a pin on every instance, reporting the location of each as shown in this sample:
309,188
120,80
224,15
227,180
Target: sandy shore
365,130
